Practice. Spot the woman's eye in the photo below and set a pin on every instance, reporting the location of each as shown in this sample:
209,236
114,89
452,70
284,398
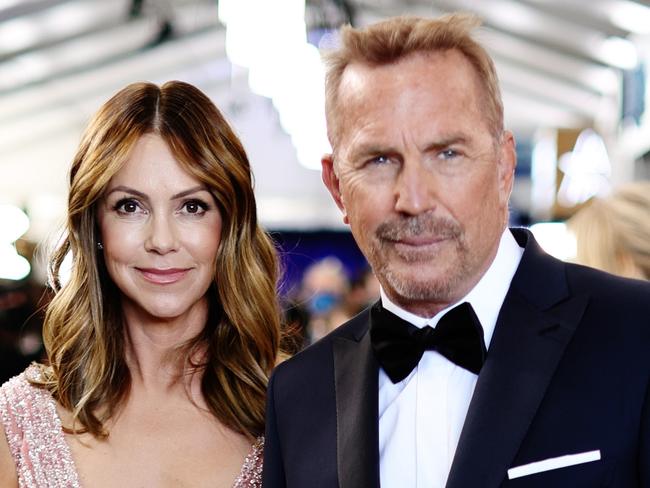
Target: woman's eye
127,206
195,207
130,207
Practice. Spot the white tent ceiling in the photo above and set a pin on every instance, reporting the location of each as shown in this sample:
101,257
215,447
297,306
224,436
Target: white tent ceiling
557,60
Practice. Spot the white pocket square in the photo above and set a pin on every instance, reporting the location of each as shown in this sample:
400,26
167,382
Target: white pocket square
553,463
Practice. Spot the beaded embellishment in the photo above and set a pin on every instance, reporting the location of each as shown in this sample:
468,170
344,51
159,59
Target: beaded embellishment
35,436
251,471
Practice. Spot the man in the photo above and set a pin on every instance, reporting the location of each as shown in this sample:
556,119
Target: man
486,362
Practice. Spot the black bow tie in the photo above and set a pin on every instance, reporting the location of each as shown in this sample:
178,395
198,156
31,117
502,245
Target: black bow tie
399,345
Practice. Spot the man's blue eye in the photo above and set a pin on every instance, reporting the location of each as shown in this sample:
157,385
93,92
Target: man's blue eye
380,160
448,154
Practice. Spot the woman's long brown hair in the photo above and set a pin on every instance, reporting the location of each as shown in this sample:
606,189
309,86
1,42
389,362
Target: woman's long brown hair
84,331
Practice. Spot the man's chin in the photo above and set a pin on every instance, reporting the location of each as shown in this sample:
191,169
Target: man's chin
418,285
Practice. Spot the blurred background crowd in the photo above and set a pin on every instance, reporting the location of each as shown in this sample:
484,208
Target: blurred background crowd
574,82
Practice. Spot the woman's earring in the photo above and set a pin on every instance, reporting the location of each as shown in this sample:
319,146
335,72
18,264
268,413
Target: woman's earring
100,246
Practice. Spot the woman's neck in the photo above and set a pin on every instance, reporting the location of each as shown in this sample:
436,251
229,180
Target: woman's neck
152,344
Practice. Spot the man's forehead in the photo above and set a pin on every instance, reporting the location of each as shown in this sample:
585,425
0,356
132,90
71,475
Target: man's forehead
359,74
437,83
355,78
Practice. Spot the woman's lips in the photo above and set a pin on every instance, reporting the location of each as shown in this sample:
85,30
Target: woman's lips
163,276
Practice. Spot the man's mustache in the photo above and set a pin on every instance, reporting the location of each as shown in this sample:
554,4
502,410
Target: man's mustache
424,224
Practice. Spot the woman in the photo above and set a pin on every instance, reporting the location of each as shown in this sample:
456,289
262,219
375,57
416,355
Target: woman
613,233
160,344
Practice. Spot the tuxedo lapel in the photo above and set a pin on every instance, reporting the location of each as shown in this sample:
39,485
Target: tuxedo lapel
356,378
535,325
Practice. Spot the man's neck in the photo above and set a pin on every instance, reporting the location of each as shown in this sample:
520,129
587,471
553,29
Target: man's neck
486,297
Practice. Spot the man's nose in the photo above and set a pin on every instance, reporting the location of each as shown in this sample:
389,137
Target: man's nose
414,189
162,236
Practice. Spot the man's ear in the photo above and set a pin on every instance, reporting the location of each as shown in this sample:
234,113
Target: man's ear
506,165
331,181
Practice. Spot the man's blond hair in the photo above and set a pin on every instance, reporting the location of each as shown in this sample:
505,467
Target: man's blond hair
393,39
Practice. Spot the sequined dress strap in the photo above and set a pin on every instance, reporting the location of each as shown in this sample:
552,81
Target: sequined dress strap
33,429
251,471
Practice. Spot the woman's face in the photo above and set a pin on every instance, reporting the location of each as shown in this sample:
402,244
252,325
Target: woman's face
160,229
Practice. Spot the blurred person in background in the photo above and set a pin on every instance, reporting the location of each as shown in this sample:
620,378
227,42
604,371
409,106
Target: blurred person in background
160,344
323,289
325,299
613,233
487,362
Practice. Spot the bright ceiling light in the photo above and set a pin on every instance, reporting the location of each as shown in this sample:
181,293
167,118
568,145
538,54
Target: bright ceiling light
23,69
67,19
282,66
14,223
275,28
513,14
12,265
630,16
586,169
18,34
619,52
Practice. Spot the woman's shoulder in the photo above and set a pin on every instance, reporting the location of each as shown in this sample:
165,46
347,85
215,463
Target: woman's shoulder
251,471
21,402
7,466
22,387
33,430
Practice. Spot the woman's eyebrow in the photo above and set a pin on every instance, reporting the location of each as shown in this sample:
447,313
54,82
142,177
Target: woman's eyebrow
144,196
126,189
184,193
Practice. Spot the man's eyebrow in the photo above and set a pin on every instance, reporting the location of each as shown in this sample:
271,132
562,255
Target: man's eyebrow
371,149
144,196
445,142
365,150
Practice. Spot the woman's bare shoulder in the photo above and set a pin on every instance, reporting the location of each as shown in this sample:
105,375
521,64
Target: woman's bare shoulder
7,466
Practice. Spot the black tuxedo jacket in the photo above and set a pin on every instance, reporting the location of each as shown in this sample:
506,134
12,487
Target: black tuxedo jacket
567,372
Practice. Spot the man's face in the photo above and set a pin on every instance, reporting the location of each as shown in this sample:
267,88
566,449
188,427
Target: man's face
419,176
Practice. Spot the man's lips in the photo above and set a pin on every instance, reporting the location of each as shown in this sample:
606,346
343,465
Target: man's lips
163,276
419,241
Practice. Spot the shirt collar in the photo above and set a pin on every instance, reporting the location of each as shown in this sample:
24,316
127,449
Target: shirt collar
486,297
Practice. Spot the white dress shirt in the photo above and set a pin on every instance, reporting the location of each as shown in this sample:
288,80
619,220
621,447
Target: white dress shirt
421,417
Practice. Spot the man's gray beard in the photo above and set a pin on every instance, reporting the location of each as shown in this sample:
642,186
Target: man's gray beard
438,291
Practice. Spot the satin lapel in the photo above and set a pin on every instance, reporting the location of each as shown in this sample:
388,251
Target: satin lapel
356,378
524,353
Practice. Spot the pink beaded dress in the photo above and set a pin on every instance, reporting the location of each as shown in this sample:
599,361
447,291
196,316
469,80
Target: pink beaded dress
42,456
